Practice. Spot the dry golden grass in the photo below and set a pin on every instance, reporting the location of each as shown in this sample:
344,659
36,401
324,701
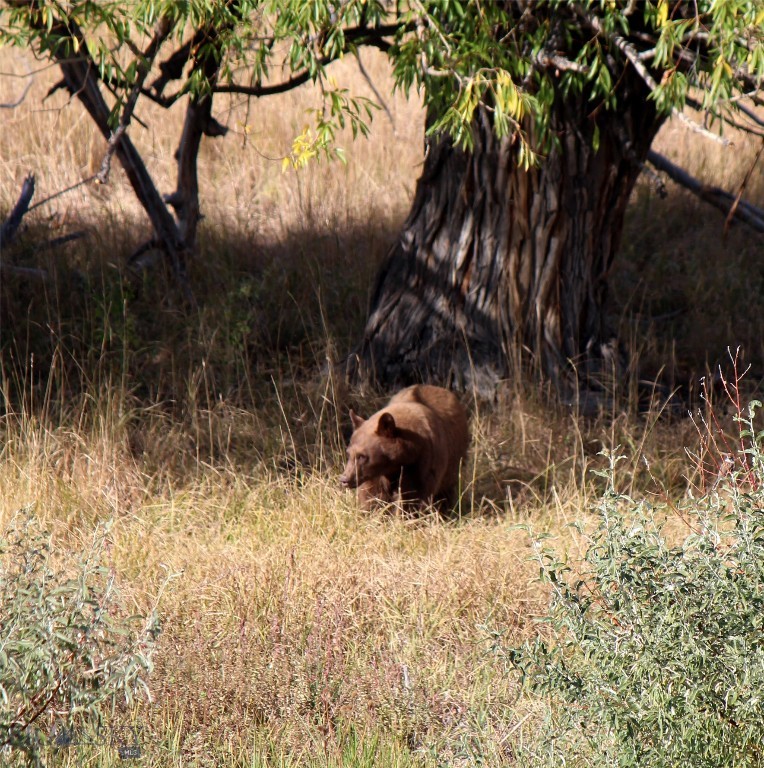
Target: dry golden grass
296,629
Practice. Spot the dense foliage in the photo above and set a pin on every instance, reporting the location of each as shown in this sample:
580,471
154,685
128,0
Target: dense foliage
67,650
653,652
513,56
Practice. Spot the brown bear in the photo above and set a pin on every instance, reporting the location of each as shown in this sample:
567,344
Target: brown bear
410,451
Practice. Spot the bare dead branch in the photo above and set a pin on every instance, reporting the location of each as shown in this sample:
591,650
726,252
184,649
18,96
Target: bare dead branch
11,225
719,198
82,81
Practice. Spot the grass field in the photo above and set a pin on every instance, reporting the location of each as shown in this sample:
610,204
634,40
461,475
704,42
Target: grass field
298,630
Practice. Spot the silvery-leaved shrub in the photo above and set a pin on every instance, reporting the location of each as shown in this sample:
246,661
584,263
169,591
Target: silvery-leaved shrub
68,651
652,652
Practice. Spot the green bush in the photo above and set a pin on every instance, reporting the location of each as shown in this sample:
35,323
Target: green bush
652,652
67,650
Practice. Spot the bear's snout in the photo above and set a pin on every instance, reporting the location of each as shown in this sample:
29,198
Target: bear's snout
348,478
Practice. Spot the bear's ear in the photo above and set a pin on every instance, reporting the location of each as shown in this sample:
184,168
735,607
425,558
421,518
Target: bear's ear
356,419
386,425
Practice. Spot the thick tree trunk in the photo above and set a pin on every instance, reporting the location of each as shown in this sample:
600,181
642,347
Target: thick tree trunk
497,267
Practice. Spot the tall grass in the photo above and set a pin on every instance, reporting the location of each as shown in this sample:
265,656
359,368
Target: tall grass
297,629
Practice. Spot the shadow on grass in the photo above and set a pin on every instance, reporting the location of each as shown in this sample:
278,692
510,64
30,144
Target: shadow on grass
683,291
246,374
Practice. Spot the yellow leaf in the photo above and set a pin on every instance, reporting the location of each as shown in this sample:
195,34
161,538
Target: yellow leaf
663,9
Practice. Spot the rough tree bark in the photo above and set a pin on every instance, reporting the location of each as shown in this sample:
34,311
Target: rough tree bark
497,267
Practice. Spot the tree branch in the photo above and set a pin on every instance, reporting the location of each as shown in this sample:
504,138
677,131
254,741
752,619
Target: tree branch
292,82
268,90
172,68
695,104
751,115
553,60
11,225
719,198
630,52
82,81
163,29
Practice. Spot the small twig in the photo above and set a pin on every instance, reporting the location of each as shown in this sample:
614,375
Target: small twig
373,87
743,185
13,104
62,192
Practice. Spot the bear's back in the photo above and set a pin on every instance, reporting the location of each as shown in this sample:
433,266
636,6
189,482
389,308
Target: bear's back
447,419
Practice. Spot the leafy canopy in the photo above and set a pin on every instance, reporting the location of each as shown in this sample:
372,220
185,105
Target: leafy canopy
514,57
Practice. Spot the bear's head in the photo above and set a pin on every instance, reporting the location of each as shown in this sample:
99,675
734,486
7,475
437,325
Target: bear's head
375,449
